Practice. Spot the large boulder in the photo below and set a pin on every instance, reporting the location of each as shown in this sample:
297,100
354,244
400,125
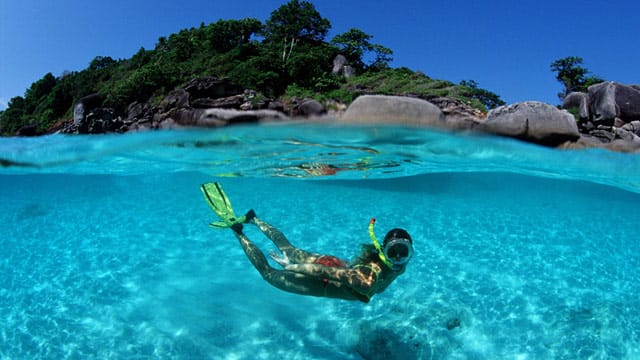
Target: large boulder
532,121
610,100
577,100
84,106
395,110
341,67
310,107
217,117
99,121
176,99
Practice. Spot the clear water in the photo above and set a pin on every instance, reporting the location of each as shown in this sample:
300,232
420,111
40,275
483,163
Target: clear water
522,252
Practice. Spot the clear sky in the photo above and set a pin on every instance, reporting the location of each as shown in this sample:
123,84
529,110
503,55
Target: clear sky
506,46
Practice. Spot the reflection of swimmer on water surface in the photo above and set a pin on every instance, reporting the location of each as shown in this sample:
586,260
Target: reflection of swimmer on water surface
317,169
313,274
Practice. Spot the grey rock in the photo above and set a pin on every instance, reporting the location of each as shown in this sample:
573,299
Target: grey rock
577,100
219,117
610,100
633,126
137,111
211,87
98,121
602,135
532,121
338,62
397,110
341,67
623,134
85,105
310,107
276,106
458,115
178,98
348,71
229,102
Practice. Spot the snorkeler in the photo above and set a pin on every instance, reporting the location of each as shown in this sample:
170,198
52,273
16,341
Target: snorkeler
313,274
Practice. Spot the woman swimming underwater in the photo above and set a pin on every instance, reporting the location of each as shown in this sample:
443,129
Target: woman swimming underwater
308,273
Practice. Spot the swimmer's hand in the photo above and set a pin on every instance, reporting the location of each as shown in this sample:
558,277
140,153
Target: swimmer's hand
282,260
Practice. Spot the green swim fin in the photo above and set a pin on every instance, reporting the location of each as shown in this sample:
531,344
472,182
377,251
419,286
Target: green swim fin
220,204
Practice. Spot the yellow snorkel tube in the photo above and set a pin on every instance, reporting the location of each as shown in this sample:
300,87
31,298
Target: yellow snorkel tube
376,244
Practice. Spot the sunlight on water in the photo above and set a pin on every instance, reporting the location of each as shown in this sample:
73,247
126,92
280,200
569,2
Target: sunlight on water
305,150
522,252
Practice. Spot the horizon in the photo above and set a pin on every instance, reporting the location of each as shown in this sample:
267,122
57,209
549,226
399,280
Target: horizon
506,48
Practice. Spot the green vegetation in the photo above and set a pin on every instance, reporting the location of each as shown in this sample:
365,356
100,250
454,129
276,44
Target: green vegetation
399,81
286,57
572,75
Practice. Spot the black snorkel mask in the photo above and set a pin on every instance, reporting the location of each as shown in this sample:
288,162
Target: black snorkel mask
395,253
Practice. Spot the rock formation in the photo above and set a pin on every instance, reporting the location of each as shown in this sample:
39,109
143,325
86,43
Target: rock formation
395,110
532,121
607,116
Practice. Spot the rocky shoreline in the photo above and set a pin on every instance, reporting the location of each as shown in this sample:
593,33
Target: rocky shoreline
607,117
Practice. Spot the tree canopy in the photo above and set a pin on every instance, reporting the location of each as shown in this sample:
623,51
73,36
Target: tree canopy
355,44
571,74
296,21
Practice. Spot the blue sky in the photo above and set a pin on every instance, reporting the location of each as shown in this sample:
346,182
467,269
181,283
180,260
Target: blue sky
506,46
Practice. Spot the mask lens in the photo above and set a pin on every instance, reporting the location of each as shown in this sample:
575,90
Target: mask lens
398,251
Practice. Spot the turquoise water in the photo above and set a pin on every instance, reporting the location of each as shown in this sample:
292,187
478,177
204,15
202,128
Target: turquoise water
522,252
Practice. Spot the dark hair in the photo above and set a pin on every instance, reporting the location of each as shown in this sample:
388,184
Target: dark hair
368,253
397,234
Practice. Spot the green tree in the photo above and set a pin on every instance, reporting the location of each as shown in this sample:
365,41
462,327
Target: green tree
383,56
297,21
355,44
293,46
13,117
572,75
101,62
37,91
225,35
471,90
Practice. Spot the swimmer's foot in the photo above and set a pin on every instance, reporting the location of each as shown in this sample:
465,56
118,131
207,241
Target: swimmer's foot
282,260
237,228
249,216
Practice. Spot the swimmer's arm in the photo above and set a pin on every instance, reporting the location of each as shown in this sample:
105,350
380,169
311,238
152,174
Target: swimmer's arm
361,278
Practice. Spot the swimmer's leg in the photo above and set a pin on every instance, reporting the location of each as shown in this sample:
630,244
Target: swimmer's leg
254,254
289,281
295,255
